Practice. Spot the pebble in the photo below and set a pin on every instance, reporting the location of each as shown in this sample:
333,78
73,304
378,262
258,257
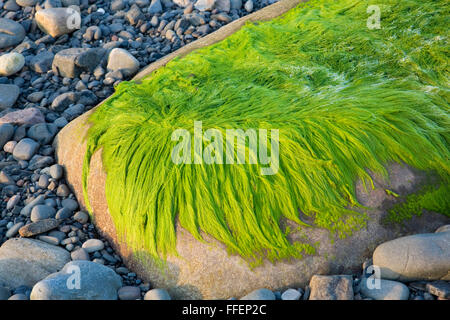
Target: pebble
157,294
11,32
93,245
23,117
387,290
70,204
11,63
291,294
80,254
8,96
129,293
41,212
336,287
38,227
4,293
121,59
58,21
439,288
14,230
25,149
259,294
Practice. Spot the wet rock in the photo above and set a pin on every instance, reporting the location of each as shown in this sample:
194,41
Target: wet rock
339,287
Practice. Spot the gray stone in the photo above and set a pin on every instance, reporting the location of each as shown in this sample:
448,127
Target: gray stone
25,116
416,257
42,62
129,293
12,202
11,33
6,179
157,294
18,296
25,149
70,204
73,61
121,59
117,5
11,63
155,7
43,181
93,245
236,4
41,212
205,5
6,133
36,96
291,294
223,5
43,132
38,227
56,171
96,282
14,230
249,6
386,290
339,287
134,14
62,191
8,95
63,213
81,217
58,21
80,254
26,211
183,3
26,261
260,294
26,3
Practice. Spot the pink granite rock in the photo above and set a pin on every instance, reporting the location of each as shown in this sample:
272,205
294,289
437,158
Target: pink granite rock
26,116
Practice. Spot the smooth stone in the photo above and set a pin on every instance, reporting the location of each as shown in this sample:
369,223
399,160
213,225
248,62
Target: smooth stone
223,5
81,217
157,294
96,282
49,239
129,293
18,296
260,294
11,63
338,287
42,212
42,132
26,211
42,62
121,59
63,213
413,258
236,4
388,290
62,191
445,228
8,96
70,204
26,261
26,3
38,227
205,5
291,294
155,7
9,146
249,6
58,21
93,245
14,230
6,133
56,171
25,116
12,202
11,33
25,149
80,254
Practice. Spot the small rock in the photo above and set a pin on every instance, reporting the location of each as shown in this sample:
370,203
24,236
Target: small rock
205,5
387,290
223,5
56,171
249,6
21,117
42,132
93,245
6,133
8,96
157,294
26,3
134,14
80,254
12,202
48,239
11,63
236,4
38,227
155,7
14,230
26,211
120,59
62,191
58,21
338,287
11,33
81,217
72,62
4,293
25,149
42,62
41,212
291,294
18,296
260,294
129,293
70,204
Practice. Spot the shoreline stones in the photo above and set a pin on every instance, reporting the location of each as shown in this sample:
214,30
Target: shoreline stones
11,63
11,33
58,21
386,290
8,95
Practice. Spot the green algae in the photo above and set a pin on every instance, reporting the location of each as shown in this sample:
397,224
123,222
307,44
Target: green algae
344,98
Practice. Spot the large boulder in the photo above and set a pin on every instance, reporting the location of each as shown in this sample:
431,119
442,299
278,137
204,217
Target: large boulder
27,261
206,270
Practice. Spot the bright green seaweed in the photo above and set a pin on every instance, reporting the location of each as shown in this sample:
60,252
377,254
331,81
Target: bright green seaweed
344,98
